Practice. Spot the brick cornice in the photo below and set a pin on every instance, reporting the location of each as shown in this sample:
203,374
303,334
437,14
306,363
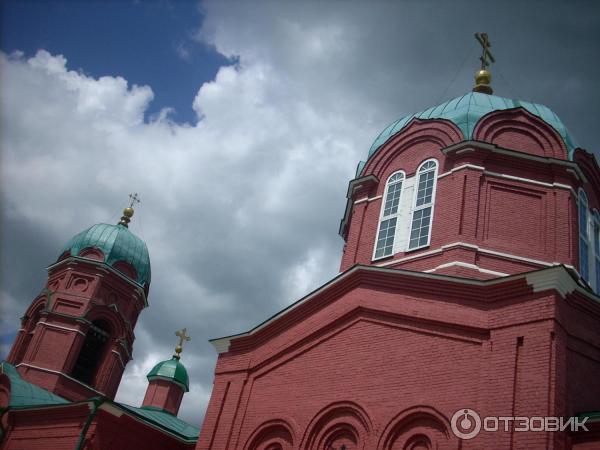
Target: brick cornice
99,265
362,184
475,293
514,158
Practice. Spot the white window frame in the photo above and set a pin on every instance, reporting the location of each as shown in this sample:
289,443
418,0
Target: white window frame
396,215
431,204
582,197
596,247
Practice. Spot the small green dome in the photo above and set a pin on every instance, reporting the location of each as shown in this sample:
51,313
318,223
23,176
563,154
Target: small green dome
466,110
172,370
117,243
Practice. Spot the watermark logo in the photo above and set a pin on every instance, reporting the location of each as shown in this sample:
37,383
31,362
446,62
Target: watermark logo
467,423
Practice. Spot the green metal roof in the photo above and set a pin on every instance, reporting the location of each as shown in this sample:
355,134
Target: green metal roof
117,243
23,393
166,421
171,369
466,110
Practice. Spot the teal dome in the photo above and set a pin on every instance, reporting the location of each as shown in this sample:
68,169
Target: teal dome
465,112
171,370
117,243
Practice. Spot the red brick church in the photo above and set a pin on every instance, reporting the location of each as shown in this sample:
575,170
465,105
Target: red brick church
466,300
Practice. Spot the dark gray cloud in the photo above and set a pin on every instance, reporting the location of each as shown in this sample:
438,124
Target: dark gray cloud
240,211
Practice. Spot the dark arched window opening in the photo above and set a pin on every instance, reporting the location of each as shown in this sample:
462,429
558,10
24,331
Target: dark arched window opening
91,352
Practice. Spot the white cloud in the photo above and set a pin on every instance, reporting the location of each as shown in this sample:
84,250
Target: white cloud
133,387
230,205
183,51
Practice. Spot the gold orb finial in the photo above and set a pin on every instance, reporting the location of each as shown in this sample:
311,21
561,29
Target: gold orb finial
128,212
483,79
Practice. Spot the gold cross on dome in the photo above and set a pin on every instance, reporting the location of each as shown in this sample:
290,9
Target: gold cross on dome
486,57
181,334
133,199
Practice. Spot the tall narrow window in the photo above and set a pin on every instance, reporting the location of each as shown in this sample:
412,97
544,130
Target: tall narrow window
583,237
389,216
597,249
422,213
91,352
29,330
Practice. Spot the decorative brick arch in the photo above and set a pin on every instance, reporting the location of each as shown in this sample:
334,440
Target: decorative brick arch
38,305
520,130
418,428
589,166
110,364
28,324
418,442
126,269
92,253
275,434
114,319
438,133
340,422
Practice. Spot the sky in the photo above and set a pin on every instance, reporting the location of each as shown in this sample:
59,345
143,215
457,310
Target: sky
240,125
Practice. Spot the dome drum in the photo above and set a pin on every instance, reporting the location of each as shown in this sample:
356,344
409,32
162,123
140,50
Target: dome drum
466,112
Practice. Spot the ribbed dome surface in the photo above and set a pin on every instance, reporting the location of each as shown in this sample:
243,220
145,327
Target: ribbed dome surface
117,243
171,369
466,110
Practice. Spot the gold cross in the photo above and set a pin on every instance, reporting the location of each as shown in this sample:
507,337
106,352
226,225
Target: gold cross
133,199
485,44
182,337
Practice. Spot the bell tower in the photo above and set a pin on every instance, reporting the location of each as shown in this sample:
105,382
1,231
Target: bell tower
77,335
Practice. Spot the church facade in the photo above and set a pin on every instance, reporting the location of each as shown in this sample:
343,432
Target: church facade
466,313
467,292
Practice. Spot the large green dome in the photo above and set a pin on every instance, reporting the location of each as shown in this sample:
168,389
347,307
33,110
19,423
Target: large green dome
171,370
466,110
117,243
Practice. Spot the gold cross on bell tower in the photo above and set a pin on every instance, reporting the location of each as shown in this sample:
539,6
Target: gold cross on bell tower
483,77
133,199
486,57
181,334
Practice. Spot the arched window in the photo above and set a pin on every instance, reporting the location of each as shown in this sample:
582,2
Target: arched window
126,269
596,237
584,241
389,216
29,327
422,211
91,352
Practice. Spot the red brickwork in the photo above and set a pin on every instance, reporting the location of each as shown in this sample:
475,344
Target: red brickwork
78,292
514,205
395,356
64,427
163,394
381,358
